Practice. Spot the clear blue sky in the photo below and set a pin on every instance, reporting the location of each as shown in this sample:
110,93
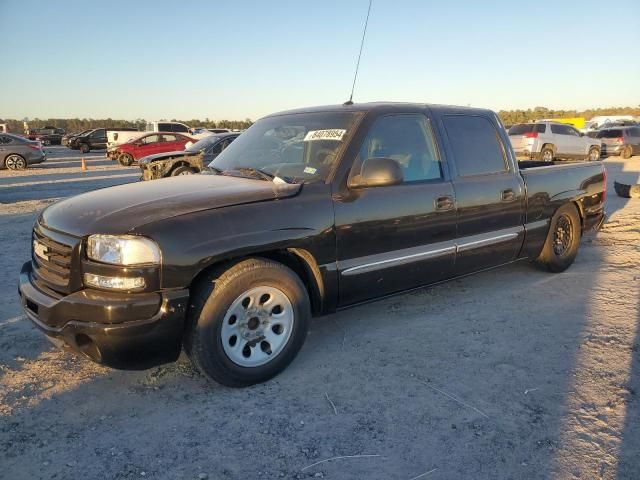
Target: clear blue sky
246,58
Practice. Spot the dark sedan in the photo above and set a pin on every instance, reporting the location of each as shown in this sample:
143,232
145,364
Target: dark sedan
192,159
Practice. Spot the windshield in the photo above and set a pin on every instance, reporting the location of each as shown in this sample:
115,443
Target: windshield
300,147
202,144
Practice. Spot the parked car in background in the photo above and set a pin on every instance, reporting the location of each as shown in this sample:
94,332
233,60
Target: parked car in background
547,141
95,139
67,138
121,135
193,159
149,144
602,121
175,127
47,135
4,128
623,141
17,153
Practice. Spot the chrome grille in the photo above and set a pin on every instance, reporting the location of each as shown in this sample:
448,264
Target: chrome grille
53,267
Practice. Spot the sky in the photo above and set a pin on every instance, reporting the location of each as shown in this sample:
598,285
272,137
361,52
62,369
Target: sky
248,58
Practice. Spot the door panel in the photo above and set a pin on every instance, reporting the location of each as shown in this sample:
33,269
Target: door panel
392,239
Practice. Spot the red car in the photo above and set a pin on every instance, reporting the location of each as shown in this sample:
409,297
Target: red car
149,144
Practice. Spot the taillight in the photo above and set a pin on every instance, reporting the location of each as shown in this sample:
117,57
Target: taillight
531,135
620,139
34,147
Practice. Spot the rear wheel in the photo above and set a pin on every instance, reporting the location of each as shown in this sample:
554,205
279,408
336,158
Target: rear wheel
561,247
125,159
182,170
546,155
594,154
247,324
626,152
15,162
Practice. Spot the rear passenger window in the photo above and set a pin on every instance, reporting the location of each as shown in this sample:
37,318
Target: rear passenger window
179,128
476,145
559,129
407,139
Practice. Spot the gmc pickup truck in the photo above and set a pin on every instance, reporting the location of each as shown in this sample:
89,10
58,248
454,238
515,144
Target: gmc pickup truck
307,212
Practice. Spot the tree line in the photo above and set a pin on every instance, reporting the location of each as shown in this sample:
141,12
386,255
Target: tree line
510,117
81,124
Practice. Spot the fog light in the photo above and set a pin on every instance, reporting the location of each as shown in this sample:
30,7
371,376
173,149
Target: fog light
114,283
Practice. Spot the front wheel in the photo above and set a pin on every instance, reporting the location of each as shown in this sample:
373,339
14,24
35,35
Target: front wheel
84,148
125,160
246,325
594,154
561,246
183,170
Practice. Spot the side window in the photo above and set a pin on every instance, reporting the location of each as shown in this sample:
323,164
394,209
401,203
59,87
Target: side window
4,139
558,129
573,131
164,127
98,134
168,138
176,127
151,139
476,145
407,139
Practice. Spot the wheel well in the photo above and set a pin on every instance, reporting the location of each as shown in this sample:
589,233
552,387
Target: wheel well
580,208
300,261
179,164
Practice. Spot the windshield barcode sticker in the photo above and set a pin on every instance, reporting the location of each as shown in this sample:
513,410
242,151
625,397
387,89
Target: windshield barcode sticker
333,134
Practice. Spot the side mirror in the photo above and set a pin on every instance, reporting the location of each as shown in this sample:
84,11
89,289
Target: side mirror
377,172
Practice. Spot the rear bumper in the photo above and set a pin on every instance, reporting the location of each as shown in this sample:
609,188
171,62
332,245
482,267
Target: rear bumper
121,333
606,150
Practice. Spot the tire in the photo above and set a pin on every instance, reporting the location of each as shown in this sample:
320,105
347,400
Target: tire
125,159
182,170
546,154
218,312
627,152
594,154
84,148
15,162
561,246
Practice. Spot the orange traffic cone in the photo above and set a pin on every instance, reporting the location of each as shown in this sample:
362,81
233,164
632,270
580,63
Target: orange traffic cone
83,164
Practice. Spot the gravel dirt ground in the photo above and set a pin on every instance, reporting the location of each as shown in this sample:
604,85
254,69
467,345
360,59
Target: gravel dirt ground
513,373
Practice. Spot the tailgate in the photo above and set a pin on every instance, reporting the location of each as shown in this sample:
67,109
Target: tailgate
518,142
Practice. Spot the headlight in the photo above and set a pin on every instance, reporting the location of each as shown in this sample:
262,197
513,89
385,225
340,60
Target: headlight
123,250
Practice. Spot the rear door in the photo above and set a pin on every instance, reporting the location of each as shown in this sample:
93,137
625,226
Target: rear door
396,237
490,195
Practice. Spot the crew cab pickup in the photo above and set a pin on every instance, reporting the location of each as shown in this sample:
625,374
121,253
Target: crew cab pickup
307,212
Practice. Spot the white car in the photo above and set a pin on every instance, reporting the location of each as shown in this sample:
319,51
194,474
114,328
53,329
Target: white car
547,141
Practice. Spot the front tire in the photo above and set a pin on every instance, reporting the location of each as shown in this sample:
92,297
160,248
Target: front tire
246,325
125,160
594,154
561,246
182,170
84,148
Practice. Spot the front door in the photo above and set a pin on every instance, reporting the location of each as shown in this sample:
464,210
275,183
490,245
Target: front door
396,237
489,193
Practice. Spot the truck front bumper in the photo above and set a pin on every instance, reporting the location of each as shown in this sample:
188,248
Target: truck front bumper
119,330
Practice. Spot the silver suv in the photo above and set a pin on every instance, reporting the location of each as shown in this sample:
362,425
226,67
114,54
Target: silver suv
547,141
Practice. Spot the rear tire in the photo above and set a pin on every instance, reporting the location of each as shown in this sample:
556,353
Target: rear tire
594,154
15,162
627,152
246,325
546,155
561,246
182,170
125,159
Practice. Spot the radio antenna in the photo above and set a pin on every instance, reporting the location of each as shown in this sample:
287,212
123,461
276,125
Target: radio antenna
355,77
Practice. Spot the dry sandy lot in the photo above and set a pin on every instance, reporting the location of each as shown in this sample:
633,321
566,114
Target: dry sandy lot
512,373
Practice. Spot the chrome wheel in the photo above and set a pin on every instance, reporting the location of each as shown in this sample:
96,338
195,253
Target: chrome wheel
15,162
562,236
257,326
547,155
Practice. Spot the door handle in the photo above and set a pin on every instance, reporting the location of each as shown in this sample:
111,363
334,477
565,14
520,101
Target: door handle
508,195
444,204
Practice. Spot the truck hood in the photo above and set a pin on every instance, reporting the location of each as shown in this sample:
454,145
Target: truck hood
166,155
124,208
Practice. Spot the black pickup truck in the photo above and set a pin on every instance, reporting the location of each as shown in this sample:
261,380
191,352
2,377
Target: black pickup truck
307,212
